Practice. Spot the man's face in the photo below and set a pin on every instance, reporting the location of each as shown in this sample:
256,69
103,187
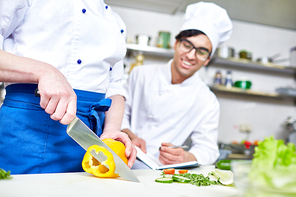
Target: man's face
185,64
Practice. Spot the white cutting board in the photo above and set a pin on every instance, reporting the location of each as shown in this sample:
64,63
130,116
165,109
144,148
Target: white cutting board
84,184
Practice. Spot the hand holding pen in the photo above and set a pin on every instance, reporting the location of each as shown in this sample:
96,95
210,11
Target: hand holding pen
171,154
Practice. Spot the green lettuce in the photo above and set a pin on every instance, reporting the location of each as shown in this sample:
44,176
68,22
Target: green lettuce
274,165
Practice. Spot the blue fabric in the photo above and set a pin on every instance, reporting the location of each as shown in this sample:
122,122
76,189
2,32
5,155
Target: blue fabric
31,142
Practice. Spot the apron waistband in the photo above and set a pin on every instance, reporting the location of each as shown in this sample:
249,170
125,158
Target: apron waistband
89,104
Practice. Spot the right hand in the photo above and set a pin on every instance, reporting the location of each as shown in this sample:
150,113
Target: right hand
57,97
139,142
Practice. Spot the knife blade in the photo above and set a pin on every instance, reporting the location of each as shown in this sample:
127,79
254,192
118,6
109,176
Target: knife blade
85,137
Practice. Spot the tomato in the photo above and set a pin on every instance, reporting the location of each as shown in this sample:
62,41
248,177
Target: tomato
182,171
169,171
247,144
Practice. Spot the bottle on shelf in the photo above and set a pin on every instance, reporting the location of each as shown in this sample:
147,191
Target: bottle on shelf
139,61
218,78
228,79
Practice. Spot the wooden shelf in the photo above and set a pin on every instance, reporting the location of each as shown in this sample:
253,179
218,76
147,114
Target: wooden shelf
248,64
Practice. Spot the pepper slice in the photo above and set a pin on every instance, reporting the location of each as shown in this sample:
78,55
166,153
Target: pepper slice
93,166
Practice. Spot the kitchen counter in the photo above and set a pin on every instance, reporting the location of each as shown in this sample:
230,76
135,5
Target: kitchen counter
84,184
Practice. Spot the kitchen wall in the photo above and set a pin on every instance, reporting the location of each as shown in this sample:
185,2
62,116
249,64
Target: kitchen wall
264,115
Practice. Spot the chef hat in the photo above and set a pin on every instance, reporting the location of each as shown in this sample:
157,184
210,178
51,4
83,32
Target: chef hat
211,19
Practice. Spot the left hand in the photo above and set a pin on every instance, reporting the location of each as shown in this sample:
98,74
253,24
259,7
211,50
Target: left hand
171,155
130,150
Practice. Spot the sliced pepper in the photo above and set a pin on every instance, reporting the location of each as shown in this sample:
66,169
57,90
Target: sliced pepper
106,168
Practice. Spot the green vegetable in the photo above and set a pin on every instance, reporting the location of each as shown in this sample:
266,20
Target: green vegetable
274,165
181,179
224,164
225,177
195,179
168,176
164,180
199,179
4,174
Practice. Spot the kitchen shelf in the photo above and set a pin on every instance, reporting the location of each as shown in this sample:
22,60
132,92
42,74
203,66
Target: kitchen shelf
151,50
231,62
244,63
250,92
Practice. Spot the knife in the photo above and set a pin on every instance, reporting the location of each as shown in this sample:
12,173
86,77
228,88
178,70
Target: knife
85,137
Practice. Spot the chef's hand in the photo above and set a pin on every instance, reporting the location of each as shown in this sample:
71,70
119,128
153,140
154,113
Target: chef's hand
130,150
139,142
57,97
173,155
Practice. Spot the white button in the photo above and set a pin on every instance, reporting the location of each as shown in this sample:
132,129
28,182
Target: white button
150,116
160,93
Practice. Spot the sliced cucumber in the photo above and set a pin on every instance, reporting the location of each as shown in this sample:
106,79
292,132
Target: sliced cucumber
164,180
168,176
181,179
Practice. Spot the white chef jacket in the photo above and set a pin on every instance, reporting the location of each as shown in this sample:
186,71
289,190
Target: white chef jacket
85,39
159,111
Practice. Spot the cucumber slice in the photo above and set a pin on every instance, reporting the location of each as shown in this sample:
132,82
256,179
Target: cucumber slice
181,179
164,180
168,176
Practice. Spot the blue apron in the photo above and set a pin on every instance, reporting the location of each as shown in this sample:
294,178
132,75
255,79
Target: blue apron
31,142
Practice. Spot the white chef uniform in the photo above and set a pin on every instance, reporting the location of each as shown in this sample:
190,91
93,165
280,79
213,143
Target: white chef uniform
68,39
159,111
85,40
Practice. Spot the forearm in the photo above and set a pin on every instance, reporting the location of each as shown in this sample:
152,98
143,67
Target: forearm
21,69
114,115
130,134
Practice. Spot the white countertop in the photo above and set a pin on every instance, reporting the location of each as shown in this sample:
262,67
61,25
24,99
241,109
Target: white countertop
84,184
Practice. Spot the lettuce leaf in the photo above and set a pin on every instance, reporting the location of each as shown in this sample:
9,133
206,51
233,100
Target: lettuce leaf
274,165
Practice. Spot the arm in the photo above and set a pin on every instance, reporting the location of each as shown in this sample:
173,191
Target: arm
114,115
113,121
56,95
205,136
139,142
204,140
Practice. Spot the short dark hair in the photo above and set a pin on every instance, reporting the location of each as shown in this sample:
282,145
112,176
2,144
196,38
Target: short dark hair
188,33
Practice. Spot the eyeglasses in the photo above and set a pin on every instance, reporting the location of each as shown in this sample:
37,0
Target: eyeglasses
201,53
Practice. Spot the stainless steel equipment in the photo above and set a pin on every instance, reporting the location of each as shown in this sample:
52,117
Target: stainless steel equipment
291,125
225,52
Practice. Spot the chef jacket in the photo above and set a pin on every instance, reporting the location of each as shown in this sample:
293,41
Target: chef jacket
85,40
159,111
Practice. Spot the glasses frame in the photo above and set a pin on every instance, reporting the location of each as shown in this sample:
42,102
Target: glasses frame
193,47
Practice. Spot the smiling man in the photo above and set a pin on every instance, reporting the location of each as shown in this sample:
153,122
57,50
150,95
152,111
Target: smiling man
168,103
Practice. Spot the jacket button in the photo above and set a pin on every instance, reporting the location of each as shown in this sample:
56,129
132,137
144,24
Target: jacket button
122,31
83,10
106,7
110,68
79,61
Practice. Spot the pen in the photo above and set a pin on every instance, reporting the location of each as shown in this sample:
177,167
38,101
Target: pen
177,146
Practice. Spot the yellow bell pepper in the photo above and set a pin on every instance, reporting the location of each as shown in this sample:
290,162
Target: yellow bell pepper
93,166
